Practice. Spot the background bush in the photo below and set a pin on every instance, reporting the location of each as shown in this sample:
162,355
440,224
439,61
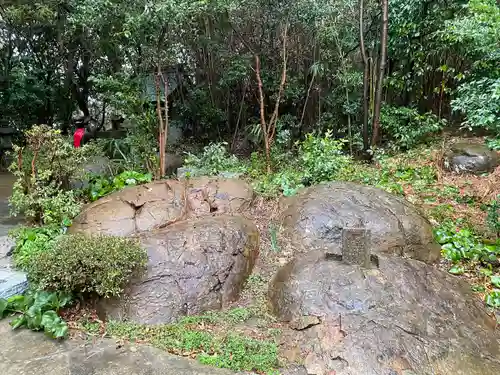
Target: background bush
405,127
44,168
214,159
95,264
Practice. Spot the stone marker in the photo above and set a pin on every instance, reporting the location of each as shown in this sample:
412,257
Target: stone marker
12,283
356,246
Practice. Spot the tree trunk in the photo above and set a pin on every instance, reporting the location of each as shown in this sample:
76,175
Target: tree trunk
163,146
161,170
380,80
366,77
263,123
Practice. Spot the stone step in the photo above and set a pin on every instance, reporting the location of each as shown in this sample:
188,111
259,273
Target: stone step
12,283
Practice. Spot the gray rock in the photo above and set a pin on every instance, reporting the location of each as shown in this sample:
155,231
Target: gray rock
31,353
314,219
471,158
158,204
401,317
98,165
12,283
194,266
172,163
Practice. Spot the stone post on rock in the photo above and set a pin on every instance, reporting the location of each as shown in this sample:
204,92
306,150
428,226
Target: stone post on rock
356,246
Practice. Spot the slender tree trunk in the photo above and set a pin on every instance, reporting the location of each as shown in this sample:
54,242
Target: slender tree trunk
307,99
349,127
163,146
161,169
380,80
366,77
269,128
263,123
237,127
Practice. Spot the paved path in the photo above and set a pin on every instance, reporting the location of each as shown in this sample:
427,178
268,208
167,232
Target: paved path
23,352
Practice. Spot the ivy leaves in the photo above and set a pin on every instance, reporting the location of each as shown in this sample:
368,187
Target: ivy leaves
38,311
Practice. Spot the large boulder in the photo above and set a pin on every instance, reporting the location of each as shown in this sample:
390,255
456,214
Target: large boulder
314,219
404,317
159,204
472,158
194,266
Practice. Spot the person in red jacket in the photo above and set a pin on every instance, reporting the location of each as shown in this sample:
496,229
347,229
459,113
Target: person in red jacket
79,133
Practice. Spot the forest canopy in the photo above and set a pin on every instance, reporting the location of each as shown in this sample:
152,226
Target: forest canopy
408,66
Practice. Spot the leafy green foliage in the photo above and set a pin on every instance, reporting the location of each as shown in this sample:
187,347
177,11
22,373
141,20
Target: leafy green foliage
322,158
406,128
493,299
477,34
79,263
460,245
318,159
38,311
493,215
101,186
215,159
493,144
31,241
44,168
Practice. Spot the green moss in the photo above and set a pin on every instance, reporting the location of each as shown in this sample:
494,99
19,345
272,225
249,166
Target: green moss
211,338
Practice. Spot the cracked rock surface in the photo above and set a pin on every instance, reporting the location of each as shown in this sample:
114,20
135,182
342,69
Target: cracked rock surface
159,204
315,217
404,317
194,266
200,250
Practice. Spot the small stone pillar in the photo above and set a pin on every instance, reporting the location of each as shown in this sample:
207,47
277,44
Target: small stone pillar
356,246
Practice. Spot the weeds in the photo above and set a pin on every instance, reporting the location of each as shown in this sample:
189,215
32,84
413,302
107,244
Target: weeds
211,338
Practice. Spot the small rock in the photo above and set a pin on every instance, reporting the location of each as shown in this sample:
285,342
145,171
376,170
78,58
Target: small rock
12,283
315,365
304,322
471,158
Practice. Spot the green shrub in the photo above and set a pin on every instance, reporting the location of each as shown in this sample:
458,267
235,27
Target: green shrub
38,312
479,101
95,264
44,167
321,158
31,241
318,159
493,144
287,182
405,128
44,203
215,159
101,186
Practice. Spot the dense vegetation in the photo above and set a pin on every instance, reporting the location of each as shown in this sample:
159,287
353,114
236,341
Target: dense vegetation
285,94
442,66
